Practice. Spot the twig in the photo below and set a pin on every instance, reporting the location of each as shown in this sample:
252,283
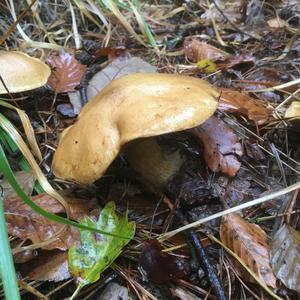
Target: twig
203,258
200,252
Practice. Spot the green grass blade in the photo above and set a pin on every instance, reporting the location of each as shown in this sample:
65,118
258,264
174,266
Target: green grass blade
7,269
147,29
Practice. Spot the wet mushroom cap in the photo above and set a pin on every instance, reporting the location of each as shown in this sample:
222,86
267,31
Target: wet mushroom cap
21,73
132,107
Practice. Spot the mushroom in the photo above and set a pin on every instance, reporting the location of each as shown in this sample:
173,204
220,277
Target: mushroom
21,73
131,110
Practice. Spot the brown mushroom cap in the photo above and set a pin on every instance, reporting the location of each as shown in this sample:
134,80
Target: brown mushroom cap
134,106
21,73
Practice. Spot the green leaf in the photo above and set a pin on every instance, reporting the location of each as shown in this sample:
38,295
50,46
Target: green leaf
98,251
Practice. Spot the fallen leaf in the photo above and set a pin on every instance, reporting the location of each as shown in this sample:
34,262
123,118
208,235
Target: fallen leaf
66,109
66,72
207,65
52,266
98,251
250,243
25,223
114,291
158,266
277,23
253,150
196,51
24,256
234,101
183,294
26,180
285,256
221,146
244,60
293,110
232,9
119,67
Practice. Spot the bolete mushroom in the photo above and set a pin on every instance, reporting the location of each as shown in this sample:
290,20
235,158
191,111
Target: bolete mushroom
21,73
130,109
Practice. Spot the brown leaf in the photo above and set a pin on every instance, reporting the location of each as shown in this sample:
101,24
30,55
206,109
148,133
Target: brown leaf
51,266
250,243
196,51
25,223
66,72
285,256
244,60
234,101
26,181
221,146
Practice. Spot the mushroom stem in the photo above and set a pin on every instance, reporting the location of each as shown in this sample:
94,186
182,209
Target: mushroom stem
156,164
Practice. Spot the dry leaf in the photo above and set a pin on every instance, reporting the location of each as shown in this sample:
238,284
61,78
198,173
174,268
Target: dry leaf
235,101
51,267
183,294
285,256
121,66
250,243
25,223
277,23
221,146
293,110
244,60
196,51
66,72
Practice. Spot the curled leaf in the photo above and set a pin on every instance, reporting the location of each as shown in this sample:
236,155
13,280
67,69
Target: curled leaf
196,51
66,72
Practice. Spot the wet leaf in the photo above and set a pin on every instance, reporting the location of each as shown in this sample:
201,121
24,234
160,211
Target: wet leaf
26,180
196,51
250,243
285,256
98,251
221,146
158,266
66,72
25,223
52,266
235,101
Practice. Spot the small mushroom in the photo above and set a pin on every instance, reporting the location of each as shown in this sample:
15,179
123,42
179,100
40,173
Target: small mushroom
131,109
21,73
